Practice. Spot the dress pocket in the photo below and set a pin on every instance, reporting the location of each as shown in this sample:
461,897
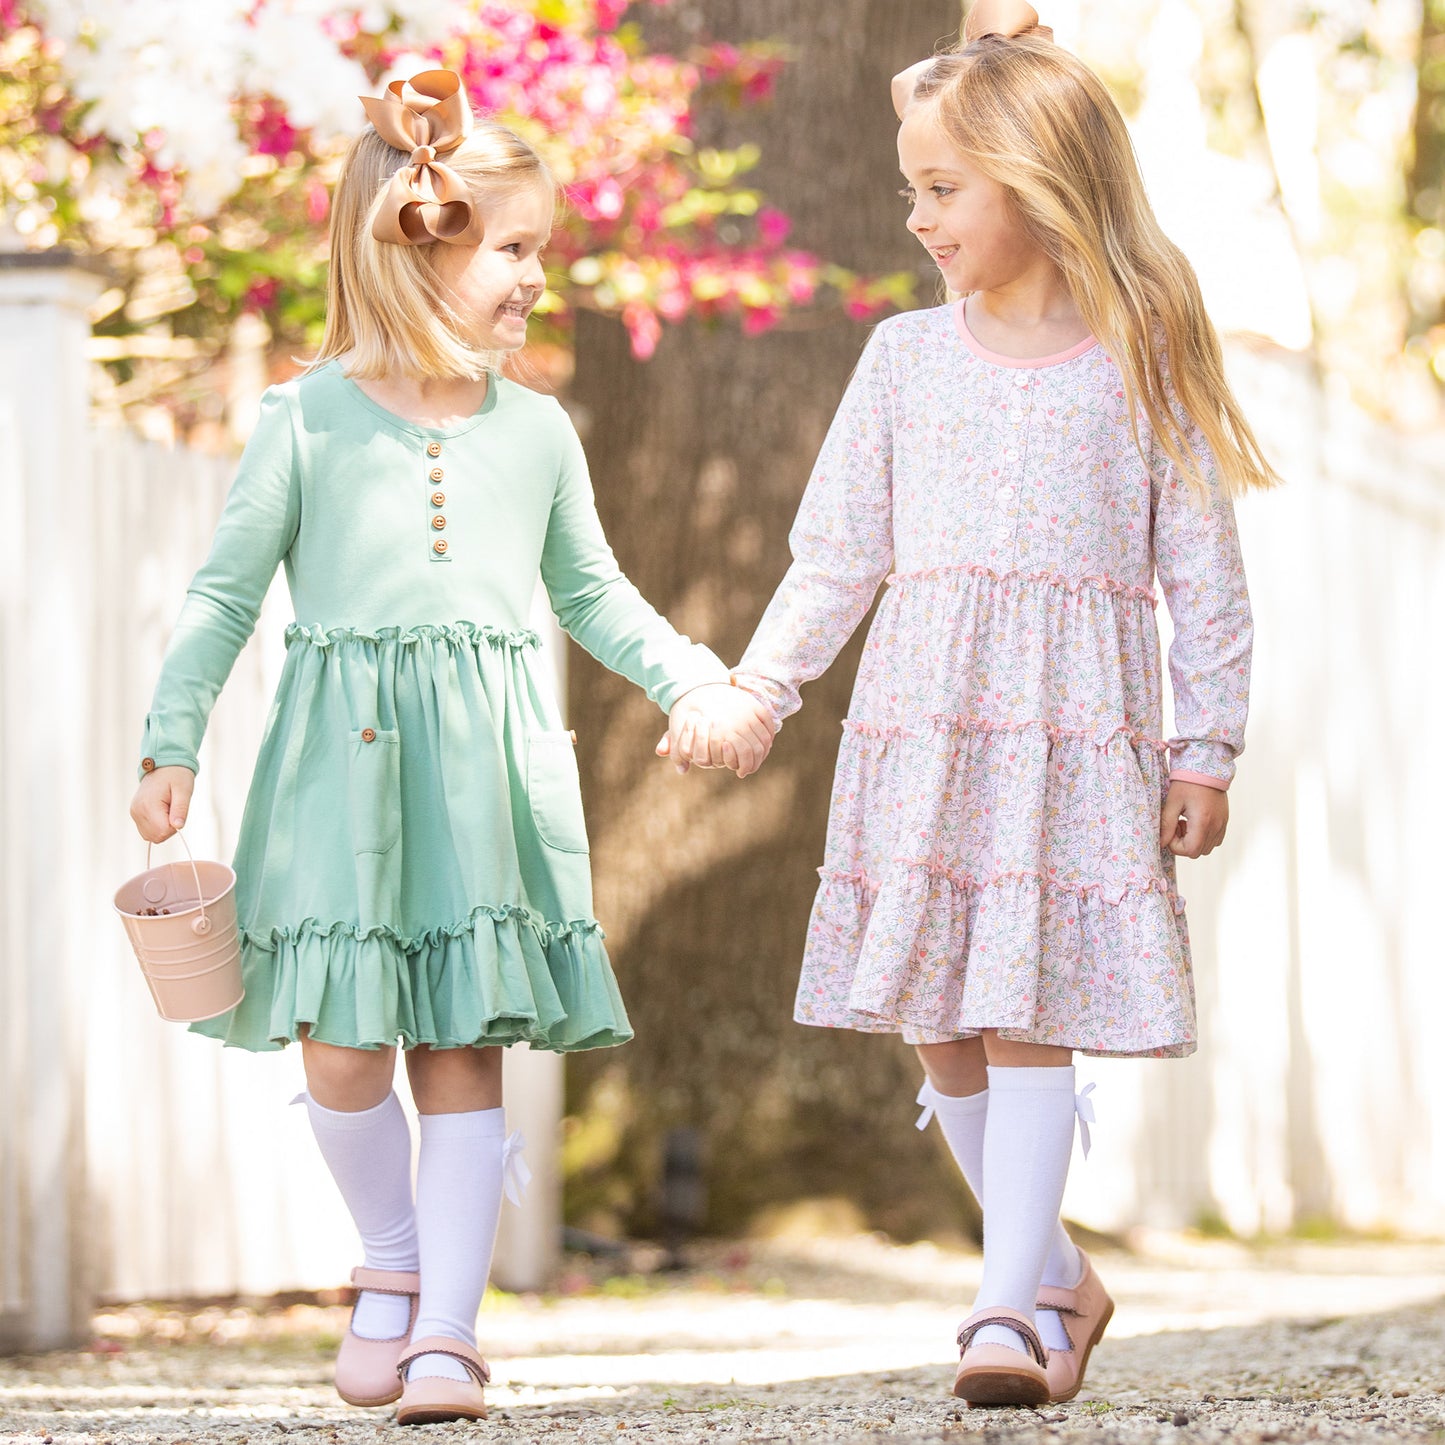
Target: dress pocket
375,782
554,791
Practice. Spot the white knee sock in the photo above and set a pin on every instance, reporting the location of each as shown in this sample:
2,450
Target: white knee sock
1027,1141
962,1119
458,1203
369,1155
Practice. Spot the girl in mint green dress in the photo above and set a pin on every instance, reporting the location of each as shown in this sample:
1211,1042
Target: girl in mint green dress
412,864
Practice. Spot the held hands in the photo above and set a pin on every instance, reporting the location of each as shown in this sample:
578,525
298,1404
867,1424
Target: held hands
1193,820
161,803
718,726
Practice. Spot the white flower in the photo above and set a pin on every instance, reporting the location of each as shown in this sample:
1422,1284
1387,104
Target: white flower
176,66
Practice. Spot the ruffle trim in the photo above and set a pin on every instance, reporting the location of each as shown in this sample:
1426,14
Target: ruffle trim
546,932
503,975
1096,581
958,723
1113,894
470,634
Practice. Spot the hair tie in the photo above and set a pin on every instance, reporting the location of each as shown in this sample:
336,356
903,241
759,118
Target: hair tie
426,200
1007,19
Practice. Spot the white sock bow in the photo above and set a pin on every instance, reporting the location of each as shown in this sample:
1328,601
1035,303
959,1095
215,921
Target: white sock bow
1084,1108
516,1175
925,1099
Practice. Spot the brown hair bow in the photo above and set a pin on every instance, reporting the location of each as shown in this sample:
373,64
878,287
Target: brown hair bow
428,115
1008,18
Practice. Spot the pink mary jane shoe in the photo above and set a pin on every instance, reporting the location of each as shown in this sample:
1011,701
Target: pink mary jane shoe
433,1400
366,1369
1085,1312
1000,1374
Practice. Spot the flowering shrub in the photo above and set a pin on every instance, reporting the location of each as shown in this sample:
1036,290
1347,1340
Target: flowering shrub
193,142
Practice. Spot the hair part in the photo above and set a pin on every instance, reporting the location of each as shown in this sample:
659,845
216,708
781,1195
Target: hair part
386,309
1034,118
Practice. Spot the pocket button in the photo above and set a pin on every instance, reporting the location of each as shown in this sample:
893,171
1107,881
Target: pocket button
368,735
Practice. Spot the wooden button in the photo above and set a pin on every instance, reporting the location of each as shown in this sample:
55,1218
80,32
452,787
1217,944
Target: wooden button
436,474
147,765
368,735
438,499
439,546
439,522
434,449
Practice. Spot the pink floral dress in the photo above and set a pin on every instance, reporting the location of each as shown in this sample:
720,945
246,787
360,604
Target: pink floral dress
993,854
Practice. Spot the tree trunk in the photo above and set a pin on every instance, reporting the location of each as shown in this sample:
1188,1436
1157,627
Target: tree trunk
704,884
1425,181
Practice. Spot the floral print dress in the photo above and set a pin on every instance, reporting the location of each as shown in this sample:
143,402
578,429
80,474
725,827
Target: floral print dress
993,857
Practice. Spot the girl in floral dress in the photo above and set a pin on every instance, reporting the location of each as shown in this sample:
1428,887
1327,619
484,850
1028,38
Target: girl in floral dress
1018,467
412,863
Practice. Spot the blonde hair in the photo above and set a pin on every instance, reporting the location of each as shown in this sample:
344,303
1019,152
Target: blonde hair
384,303
1034,118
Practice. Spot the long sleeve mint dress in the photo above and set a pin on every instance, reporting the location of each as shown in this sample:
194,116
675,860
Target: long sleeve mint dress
412,862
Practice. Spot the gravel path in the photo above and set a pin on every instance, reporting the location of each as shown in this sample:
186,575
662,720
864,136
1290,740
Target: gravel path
826,1341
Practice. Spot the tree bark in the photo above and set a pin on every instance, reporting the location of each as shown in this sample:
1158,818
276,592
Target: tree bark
1425,181
704,884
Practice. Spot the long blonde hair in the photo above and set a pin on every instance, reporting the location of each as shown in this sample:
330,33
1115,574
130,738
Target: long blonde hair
384,303
1034,118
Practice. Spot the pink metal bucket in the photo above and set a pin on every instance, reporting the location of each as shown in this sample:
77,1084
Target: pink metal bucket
182,925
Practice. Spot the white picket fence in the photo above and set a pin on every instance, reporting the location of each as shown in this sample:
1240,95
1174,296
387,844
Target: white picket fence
1320,961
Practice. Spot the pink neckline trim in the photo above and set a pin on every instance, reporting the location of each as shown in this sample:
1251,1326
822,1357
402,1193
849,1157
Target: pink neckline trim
995,358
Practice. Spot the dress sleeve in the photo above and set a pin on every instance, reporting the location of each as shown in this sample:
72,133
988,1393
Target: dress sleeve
1201,572
256,530
600,608
842,543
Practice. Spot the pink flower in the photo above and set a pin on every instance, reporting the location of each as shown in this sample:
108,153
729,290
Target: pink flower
260,295
275,135
758,319
773,226
643,327
318,201
607,199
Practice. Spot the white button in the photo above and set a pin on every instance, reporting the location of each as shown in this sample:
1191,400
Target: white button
1010,455
1007,491
1021,379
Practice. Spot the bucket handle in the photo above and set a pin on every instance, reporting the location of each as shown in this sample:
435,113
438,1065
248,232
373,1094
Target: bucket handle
201,925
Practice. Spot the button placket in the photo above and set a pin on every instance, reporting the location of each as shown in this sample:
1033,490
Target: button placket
440,551
1005,515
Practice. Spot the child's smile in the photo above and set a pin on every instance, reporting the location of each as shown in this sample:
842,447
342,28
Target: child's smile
963,217
494,286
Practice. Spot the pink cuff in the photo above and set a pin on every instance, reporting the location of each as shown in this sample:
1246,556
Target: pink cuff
1183,775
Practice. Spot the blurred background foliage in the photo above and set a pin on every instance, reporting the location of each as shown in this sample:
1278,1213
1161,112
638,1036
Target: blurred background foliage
201,172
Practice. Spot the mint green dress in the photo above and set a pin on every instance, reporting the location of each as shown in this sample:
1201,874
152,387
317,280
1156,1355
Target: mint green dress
412,863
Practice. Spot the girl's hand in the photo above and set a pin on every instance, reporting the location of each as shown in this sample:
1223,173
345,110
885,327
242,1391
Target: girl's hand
161,803
718,726
1194,819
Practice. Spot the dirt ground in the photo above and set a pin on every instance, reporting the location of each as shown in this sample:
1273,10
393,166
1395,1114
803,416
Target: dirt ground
838,1340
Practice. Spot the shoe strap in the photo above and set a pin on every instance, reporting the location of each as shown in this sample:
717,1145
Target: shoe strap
1009,1319
464,1354
1065,1301
1061,1301
386,1281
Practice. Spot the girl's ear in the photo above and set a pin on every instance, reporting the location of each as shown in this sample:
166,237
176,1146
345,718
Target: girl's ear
903,84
